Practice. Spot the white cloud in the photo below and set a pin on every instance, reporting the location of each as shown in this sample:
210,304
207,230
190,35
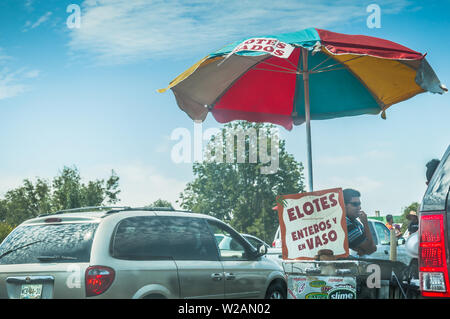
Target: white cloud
29,25
372,155
41,20
31,74
364,184
338,160
121,31
12,82
378,155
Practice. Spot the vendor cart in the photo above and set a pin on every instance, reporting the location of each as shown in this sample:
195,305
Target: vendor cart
344,279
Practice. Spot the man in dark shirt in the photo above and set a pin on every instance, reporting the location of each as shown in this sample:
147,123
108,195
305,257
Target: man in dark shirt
359,235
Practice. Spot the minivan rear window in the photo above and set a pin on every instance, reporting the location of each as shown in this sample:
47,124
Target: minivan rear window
163,238
436,195
70,243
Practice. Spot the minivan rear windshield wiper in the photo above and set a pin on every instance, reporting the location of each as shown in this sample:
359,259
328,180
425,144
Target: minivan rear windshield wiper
56,257
20,247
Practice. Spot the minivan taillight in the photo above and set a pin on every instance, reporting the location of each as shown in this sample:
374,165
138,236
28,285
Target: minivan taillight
98,279
433,268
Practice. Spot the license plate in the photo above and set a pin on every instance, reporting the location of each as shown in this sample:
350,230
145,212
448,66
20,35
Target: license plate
31,291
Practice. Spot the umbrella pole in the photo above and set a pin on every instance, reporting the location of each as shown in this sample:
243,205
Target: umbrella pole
305,73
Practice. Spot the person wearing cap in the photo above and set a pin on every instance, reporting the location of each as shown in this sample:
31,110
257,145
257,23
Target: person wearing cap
414,222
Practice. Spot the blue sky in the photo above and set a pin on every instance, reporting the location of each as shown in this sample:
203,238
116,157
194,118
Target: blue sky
87,96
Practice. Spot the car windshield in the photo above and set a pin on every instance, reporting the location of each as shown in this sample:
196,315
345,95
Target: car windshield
51,242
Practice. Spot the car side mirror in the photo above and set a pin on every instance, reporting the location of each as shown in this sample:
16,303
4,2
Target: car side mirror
261,250
401,241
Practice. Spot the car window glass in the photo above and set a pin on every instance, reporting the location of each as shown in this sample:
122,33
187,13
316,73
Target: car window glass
253,241
163,237
27,244
230,247
373,232
383,233
439,186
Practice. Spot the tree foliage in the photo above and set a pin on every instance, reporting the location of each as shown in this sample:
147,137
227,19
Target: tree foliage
64,192
239,193
161,203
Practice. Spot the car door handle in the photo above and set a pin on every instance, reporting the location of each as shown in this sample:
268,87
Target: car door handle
217,276
230,276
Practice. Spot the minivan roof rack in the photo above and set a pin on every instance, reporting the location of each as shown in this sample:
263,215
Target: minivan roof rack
87,208
150,209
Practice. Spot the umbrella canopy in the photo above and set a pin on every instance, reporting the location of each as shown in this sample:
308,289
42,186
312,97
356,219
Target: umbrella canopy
291,78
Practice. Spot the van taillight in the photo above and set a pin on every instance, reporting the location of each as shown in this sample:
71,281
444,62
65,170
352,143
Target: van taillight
98,279
433,269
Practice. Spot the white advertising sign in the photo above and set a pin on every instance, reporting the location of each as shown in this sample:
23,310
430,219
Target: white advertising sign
265,45
310,222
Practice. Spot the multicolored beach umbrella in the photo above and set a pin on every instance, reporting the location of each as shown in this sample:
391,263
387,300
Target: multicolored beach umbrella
294,77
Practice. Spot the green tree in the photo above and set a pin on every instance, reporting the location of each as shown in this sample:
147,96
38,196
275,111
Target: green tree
26,201
238,192
69,192
5,229
161,203
64,192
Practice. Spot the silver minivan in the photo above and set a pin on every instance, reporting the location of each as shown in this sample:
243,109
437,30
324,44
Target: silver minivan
133,253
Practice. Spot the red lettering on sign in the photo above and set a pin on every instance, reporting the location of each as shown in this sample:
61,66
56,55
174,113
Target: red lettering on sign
318,241
310,243
299,213
256,47
316,202
322,226
278,52
332,200
291,215
316,228
332,235
324,203
325,239
308,208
